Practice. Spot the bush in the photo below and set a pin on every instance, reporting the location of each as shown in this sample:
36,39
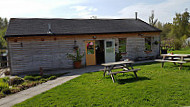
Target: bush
29,84
32,78
15,90
21,87
38,77
2,95
5,79
44,80
3,85
177,44
6,91
16,81
52,77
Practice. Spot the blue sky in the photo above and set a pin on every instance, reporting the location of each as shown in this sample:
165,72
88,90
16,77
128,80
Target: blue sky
164,9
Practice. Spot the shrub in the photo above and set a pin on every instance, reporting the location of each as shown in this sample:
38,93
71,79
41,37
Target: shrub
32,78
21,87
16,81
15,90
177,44
2,95
6,91
44,80
29,77
3,85
52,77
29,84
37,77
5,79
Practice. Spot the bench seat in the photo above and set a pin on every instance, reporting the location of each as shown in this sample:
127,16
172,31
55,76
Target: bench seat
132,70
161,60
179,62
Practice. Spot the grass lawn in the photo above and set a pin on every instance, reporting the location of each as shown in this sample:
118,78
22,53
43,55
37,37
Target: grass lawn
182,51
156,86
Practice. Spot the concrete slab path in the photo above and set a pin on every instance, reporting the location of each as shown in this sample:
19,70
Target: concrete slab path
11,100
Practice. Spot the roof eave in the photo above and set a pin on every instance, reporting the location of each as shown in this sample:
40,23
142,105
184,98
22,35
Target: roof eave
79,33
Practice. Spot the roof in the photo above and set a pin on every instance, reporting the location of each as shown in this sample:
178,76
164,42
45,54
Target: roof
39,26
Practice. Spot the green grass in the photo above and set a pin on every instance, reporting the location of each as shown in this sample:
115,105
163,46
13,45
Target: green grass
182,51
156,86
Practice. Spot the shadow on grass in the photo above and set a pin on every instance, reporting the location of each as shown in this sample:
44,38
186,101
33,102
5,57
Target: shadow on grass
130,80
148,63
184,67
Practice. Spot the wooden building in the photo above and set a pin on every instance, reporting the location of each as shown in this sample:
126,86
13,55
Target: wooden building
36,42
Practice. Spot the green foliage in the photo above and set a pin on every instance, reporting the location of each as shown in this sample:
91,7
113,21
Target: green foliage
52,77
159,87
181,25
3,83
6,91
177,32
118,56
3,28
16,81
77,57
177,44
32,78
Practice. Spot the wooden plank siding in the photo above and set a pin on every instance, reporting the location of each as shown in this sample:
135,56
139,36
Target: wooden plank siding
29,53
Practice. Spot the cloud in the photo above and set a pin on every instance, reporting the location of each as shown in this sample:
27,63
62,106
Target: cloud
83,11
34,8
164,11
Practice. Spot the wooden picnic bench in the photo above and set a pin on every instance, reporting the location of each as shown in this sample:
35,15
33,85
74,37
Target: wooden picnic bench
174,58
125,65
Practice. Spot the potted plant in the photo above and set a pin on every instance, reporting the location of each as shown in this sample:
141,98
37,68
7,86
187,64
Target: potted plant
77,58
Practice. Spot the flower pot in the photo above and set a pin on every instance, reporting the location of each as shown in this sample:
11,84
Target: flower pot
77,64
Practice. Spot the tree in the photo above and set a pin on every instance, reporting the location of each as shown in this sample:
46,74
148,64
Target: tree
151,19
3,28
181,25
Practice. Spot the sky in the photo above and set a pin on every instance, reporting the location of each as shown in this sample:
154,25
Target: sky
164,10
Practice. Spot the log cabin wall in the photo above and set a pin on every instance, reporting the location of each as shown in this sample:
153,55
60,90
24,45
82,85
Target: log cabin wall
28,54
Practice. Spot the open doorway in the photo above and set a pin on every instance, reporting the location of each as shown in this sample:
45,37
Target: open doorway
100,52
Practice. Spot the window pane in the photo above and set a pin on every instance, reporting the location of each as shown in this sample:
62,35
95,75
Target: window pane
90,48
109,44
148,43
122,45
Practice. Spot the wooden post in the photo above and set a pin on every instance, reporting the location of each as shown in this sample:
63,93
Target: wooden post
112,78
162,64
135,75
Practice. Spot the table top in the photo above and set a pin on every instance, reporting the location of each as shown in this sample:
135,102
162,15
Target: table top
180,55
117,63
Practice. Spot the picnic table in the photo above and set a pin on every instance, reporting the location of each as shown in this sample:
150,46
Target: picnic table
125,65
174,58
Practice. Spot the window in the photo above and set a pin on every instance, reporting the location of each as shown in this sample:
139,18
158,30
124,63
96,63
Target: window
90,48
109,44
122,45
147,43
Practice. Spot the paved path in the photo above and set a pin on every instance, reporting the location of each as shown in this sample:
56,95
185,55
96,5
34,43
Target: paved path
26,94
